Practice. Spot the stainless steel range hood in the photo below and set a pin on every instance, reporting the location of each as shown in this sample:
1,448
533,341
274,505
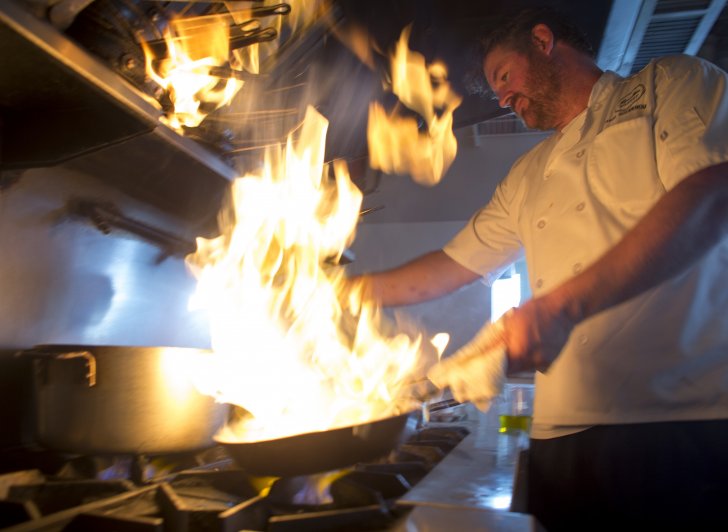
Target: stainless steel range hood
61,106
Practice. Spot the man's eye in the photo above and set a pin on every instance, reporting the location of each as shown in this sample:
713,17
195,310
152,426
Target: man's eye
504,77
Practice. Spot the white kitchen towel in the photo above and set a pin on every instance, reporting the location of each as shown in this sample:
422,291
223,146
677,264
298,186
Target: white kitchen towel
477,371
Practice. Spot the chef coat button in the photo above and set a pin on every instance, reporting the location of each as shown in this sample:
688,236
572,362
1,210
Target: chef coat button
541,224
582,339
663,135
577,267
580,206
539,283
580,154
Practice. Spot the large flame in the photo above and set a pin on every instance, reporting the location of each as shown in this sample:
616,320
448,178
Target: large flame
396,144
295,343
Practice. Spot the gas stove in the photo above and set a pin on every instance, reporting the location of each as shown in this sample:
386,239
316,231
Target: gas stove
454,469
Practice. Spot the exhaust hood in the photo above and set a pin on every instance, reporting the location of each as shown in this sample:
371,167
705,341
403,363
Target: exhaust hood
59,105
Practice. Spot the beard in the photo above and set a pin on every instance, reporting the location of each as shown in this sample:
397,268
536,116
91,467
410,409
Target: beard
542,90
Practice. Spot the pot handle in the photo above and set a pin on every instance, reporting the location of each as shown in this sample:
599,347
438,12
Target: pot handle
86,355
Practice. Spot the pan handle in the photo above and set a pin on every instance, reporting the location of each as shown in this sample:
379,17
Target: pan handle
89,358
267,11
105,216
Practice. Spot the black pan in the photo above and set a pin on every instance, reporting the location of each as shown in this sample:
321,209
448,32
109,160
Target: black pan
317,452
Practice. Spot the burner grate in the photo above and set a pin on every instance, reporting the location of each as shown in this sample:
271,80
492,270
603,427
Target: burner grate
215,495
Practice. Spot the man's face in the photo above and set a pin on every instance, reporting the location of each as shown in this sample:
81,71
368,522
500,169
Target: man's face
527,83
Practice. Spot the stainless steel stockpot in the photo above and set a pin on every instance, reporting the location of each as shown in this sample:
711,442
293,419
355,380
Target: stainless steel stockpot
121,400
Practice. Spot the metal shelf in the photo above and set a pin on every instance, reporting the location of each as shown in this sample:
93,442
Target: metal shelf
59,105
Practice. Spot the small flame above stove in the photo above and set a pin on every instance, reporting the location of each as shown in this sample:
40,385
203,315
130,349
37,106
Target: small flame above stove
195,47
396,142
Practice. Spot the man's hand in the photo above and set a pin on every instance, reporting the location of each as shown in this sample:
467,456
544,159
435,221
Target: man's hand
535,334
524,339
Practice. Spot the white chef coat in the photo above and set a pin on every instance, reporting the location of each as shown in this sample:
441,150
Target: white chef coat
660,356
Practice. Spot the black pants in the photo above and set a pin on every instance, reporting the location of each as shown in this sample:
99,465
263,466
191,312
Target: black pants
673,476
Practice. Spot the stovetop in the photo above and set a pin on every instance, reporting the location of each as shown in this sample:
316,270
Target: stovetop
455,472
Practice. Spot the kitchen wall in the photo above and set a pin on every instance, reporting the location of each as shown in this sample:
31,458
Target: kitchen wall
63,281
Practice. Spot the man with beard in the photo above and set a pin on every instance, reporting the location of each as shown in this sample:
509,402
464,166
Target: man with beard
622,214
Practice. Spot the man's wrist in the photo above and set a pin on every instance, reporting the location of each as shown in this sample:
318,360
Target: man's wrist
564,303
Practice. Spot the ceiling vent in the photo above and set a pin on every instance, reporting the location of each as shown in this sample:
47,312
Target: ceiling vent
508,124
505,125
639,31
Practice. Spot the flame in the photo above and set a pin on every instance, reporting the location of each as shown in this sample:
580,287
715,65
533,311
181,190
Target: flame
396,144
195,46
296,344
440,342
316,489
193,73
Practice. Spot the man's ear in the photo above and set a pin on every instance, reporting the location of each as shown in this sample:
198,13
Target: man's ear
543,38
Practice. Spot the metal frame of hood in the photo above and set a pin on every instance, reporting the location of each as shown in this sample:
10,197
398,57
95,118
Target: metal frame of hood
59,105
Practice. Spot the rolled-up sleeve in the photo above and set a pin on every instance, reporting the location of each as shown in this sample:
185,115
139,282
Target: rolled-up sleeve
489,242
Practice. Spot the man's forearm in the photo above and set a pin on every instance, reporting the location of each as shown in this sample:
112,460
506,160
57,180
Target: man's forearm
684,225
428,277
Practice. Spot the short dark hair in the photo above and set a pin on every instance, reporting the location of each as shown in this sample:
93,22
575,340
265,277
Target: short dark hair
515,32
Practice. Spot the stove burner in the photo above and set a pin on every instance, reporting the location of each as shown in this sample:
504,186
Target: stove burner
215,494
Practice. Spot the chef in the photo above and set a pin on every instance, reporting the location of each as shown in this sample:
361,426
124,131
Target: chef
622,215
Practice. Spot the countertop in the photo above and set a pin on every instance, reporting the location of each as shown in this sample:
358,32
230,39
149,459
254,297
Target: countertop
473,487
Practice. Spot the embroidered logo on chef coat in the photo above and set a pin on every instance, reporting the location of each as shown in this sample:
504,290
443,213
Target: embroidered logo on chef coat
632,100
625,103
